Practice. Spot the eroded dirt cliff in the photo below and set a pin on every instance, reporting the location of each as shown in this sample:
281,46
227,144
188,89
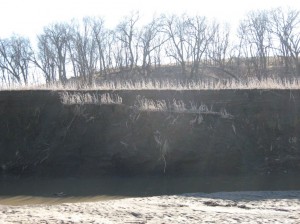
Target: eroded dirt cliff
218,132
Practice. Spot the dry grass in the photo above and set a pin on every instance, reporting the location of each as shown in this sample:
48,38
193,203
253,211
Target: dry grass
141,103
177,106
89,98
151,84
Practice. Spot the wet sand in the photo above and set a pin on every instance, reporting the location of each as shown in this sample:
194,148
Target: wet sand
265,199
222,207
35,200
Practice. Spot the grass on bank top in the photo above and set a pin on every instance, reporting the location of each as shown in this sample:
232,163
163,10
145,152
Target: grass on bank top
169,84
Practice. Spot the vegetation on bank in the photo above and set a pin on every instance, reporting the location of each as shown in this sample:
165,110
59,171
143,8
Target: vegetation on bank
267,43
167,84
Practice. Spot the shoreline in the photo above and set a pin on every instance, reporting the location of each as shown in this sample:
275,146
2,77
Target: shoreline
219,207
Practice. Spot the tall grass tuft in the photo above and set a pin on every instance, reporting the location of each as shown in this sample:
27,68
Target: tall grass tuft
170,84
89,98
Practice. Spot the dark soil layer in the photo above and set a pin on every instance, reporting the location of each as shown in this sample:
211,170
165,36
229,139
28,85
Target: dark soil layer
39,135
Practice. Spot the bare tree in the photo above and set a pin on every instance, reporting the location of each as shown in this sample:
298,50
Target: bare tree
254,30
126,32
151,38
220,51
286,27
15,53
44,59
119,57
158,52
101,36
200,35
57,36
177,47
83,49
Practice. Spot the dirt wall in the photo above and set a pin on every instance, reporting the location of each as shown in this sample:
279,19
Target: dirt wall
229,132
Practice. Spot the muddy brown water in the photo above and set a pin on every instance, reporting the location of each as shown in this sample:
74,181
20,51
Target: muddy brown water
32,190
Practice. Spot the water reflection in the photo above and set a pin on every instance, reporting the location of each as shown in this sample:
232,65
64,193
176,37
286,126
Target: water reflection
32,190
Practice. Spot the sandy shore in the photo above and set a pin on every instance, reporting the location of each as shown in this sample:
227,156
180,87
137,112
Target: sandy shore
223,207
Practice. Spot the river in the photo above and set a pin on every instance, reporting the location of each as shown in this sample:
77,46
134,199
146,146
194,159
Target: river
37,190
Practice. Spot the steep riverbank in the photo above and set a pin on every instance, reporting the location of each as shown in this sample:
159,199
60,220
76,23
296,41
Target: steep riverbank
209,132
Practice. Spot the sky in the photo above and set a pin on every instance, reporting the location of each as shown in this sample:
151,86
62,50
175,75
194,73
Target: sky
28,17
